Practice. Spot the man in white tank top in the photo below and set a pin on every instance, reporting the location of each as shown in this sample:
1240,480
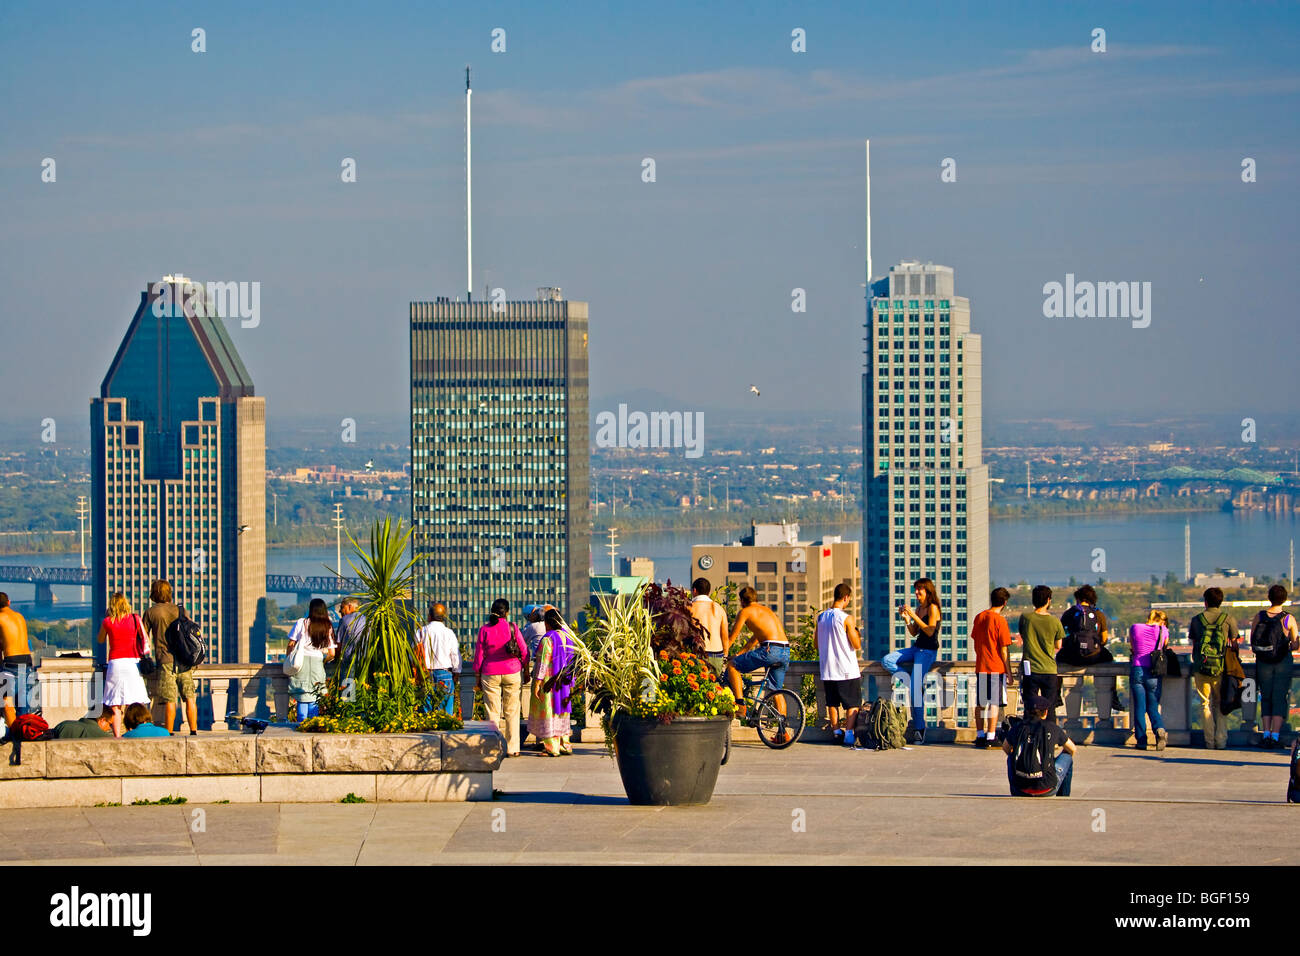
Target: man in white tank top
838,642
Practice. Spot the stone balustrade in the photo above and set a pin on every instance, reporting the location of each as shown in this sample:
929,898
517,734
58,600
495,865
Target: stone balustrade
248,689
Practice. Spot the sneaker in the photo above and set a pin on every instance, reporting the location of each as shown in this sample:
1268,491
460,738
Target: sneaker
981,743
839,736
1141,744
918,737
848,739
1273,744
1162,738
1263,741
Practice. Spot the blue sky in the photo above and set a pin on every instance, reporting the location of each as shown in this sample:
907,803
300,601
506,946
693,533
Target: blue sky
1122,166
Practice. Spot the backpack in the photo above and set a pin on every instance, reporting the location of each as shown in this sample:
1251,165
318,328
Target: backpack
184,643
29,727
1213,645
1269,639
1008,727
1031,757
1085,631
881,726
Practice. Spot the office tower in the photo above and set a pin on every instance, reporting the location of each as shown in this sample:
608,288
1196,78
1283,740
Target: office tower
178,471
790,576
925,484
499,454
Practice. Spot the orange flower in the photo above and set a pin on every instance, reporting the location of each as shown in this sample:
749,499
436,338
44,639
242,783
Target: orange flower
663,678
710,695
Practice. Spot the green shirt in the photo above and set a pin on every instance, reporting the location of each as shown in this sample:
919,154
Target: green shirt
85,727
1040,633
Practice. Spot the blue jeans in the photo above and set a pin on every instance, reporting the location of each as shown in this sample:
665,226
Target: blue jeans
919,660
443,679
307,708
775,657
1064,777
1146,702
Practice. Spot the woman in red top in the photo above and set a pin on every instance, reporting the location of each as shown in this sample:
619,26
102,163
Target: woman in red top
123,631
500,658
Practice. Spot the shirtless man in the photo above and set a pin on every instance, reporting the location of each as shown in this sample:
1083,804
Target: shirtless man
17,676
713,618
767,647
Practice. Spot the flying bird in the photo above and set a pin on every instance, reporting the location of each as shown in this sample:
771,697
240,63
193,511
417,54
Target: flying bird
370,464
754,389
242,528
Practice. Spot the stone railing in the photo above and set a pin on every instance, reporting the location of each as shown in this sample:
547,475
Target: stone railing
951,701
68,685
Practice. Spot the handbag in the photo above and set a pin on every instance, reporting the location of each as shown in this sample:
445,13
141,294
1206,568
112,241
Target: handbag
146,663
1159,662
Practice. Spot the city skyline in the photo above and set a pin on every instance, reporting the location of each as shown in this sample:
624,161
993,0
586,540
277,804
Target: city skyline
1067,162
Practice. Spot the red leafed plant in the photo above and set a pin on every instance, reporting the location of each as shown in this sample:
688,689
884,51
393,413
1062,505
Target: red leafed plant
676,630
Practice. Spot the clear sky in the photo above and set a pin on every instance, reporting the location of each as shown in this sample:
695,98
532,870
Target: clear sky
225,165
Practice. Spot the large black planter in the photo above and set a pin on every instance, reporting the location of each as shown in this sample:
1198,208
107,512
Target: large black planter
669,764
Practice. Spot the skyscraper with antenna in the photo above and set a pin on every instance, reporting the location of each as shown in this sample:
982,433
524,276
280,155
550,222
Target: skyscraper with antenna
925,486
500,469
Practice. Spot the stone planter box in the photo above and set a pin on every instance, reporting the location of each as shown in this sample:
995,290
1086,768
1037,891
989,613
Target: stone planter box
279,766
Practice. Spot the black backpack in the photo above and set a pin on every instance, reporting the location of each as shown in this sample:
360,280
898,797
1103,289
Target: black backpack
1085,630
184,643
1031,759
1268,638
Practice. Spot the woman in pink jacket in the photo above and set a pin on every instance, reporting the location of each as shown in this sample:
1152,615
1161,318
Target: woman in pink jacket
500,660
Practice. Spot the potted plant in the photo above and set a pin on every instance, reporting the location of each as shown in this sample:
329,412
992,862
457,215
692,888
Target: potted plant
664,713
379,686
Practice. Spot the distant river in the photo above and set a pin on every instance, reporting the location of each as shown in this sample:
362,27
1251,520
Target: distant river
1037,550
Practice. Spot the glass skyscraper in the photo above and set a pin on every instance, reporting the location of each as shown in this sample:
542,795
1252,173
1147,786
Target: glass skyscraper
178,472
500,458
925,483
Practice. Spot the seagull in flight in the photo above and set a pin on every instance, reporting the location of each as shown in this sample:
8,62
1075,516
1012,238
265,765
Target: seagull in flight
242,528
754,389
370,464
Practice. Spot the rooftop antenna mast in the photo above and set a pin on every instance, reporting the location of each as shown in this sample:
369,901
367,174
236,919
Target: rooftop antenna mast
869,219
469,199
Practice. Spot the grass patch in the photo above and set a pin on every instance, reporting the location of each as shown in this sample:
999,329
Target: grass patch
108,804
166,801
353,798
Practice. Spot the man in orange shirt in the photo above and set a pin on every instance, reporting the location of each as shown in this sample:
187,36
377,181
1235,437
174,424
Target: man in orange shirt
992,640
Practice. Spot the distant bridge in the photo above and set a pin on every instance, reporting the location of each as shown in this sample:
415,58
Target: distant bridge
302,586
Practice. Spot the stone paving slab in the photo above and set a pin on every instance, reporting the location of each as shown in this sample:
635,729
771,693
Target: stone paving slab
931,805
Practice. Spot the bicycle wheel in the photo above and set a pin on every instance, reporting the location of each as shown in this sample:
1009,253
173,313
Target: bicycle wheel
776,729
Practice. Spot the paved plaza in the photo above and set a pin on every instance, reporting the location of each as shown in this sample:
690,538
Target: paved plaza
813,803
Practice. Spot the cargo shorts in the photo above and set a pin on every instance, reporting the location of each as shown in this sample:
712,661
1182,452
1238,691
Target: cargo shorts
170,686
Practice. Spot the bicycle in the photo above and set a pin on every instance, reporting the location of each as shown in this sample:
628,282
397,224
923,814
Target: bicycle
776,729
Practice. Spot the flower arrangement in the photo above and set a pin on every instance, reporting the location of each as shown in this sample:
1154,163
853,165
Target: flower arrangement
643,656
379,686
687,688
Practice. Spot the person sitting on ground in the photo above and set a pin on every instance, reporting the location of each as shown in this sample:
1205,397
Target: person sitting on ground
1042,636
1086,631
838,642
100,725
923,625
768,647
1040,757
139,723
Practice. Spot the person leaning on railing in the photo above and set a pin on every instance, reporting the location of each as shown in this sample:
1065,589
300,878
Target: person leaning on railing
1147,641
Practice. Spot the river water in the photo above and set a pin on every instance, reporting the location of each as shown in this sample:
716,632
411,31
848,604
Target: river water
1036,550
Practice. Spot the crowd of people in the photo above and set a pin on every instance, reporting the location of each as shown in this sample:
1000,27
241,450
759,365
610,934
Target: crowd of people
1039,753
532,667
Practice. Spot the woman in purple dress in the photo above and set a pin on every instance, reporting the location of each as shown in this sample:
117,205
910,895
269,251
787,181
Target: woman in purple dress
552,688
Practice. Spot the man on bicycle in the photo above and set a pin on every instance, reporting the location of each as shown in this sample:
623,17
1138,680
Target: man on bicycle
767,648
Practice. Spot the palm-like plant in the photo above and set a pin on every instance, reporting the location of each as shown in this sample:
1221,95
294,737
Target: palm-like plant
386,575
614,658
